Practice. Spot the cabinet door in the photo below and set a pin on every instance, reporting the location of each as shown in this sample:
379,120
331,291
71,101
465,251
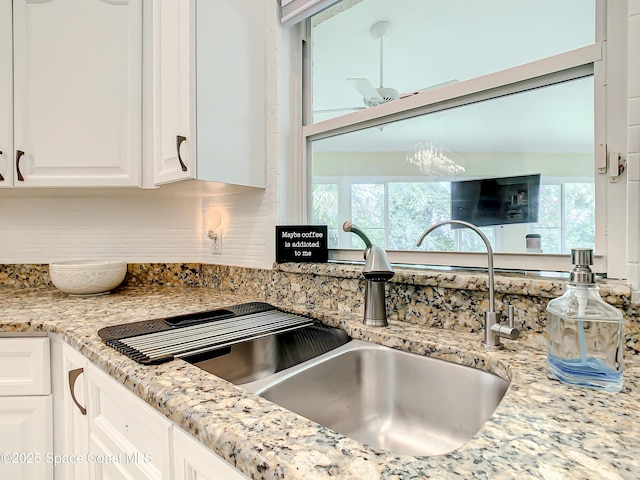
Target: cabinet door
173,90
106,465
26,434
77,92
6,95
137,435
192,461
24,366
71,435
231,81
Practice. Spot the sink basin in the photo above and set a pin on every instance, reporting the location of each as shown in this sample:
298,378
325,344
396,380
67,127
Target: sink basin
262,357
393,400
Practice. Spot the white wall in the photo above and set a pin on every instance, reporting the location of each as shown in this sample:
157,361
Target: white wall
248,232
633,150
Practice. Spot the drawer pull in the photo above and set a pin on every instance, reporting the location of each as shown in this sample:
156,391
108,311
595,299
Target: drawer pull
73,376
179,140
19,154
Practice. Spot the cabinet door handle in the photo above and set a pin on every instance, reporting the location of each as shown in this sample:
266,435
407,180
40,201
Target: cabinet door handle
73,376
19,154
1,177
179,140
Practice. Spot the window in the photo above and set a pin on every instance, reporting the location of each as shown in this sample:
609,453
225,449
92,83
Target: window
566,218
485,90
425,43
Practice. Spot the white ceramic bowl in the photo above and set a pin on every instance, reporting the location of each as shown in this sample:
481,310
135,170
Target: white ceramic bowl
87,277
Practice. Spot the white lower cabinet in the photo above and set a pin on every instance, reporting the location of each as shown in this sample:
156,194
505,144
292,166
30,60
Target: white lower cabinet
135,436
71,424
116,434
26,427
195,462
108,465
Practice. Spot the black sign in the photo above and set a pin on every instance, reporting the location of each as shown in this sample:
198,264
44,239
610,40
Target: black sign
301,243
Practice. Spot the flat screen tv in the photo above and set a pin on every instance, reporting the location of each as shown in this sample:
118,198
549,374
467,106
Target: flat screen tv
496,201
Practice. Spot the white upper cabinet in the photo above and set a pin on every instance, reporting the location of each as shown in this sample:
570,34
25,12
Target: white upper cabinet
77,92
6,95
73,86
209,121
173,81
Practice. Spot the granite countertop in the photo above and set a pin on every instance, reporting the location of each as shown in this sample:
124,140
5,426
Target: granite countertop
541,429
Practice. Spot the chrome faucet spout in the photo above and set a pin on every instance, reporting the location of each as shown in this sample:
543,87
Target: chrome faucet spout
493,330
487,244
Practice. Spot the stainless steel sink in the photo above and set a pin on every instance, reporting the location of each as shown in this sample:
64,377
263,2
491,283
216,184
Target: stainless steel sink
393,400
262,357
396,401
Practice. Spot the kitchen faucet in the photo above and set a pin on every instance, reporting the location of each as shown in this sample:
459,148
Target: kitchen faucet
377,271
493,329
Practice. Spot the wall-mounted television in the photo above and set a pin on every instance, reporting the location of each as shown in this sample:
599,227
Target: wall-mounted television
496,201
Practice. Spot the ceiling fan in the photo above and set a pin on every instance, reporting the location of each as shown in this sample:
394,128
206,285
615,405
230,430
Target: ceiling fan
372,96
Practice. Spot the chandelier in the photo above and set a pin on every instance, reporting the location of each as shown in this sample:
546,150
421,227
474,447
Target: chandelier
429,158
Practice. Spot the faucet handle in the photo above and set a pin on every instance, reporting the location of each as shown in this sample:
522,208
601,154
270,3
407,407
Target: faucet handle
507,331
350,227
511,317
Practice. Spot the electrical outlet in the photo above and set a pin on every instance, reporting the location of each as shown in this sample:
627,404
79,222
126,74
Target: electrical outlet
216,244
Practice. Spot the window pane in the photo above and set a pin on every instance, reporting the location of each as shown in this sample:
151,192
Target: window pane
469,241
580,223
547,132
413,207
325,210
551,241
431,42
367,212
549,225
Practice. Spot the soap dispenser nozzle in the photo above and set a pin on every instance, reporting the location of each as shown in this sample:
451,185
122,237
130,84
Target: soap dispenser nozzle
582,259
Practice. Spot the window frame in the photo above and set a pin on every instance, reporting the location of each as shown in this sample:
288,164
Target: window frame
594,59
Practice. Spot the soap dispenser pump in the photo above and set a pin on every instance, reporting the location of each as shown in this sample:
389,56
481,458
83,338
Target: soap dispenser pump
584,333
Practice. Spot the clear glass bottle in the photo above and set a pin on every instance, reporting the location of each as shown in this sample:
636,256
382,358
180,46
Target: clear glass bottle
585,334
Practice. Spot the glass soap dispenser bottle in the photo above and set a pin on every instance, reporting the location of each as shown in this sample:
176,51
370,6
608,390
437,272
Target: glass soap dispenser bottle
584,333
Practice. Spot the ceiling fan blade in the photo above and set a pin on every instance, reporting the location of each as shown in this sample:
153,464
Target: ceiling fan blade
430,87
370,95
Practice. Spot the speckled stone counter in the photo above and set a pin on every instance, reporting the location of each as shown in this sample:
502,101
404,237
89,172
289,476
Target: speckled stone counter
541,429
435,297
